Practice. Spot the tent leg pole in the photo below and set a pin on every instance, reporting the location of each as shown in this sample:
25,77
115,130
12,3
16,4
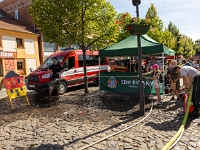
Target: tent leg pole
163,63
130,64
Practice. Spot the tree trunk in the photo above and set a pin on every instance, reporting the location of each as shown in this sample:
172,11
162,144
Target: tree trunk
85,72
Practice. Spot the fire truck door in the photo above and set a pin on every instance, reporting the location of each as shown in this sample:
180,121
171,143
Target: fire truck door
71,72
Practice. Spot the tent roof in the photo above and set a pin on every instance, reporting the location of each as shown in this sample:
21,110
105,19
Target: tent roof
11,74
129,47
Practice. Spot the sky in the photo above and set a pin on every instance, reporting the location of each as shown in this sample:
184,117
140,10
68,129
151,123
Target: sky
185,14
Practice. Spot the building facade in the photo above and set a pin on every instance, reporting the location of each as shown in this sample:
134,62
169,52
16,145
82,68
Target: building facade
19,10
18,46
197,42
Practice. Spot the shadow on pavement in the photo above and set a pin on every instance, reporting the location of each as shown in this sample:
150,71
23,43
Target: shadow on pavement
46,146
172,125
135,114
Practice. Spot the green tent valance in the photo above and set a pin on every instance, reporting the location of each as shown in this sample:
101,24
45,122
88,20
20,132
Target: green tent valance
129,47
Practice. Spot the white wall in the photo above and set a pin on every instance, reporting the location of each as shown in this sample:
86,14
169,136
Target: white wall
47,54
31,63
9,43
29,46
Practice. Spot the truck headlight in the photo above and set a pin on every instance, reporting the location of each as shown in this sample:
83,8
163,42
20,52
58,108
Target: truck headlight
46,76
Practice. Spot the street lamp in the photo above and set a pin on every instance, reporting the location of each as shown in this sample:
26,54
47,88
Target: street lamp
136,2
141,86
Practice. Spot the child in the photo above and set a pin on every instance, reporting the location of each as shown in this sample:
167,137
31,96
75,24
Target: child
174,77
156,75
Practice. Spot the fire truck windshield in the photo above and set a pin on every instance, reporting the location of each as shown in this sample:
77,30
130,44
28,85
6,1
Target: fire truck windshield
49,61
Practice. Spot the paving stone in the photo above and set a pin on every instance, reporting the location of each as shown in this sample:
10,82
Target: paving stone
151,143
127,140
159,145
98,146
179,148
76,121
198,143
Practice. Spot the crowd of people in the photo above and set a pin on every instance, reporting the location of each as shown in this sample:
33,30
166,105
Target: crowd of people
187,70
171,74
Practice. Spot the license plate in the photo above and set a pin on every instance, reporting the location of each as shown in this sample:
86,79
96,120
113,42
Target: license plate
31,86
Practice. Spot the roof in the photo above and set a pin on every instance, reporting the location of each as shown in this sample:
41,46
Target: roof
11,74
197,55
8,22
197,40
129,47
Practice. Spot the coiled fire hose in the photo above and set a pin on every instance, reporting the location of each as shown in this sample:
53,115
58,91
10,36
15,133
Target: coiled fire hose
179,133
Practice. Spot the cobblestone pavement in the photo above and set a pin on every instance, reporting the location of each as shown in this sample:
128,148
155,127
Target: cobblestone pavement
76,120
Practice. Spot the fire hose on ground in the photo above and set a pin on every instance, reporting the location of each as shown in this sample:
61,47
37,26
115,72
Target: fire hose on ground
179,133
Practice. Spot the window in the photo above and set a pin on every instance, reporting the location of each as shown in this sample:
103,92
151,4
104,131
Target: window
21,66
49,47
48,62
16,14
19,43
69,63
91,60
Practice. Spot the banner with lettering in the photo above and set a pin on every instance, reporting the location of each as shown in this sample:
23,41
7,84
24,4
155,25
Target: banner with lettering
125,82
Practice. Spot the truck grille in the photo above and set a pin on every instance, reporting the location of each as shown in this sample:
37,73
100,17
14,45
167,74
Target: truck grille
33,79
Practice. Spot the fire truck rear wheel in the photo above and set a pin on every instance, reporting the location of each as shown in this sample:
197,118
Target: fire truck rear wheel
63,87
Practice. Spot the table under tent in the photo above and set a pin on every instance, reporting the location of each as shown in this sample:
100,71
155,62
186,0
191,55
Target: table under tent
127,82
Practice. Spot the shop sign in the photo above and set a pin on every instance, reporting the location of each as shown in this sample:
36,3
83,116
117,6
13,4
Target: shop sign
4,54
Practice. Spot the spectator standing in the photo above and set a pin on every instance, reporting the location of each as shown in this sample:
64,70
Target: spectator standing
174,78
196,64
151,63
183,62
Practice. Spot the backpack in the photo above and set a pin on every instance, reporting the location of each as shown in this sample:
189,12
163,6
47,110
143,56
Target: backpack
160,78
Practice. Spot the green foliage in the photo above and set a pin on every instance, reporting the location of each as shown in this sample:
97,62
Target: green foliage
187,47
183,44
155,34
155,31
168,39
156,22
85,23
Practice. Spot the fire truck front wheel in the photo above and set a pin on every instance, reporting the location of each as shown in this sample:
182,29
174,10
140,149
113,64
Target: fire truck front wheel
63,87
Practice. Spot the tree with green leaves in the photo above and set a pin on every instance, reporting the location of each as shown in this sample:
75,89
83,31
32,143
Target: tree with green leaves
187,47
168,39
155,31
155,19
85,23
176,34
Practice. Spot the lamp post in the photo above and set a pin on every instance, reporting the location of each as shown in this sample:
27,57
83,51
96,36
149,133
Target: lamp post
141,86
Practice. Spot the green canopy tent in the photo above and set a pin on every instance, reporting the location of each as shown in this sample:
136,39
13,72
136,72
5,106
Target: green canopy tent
129,47
124,82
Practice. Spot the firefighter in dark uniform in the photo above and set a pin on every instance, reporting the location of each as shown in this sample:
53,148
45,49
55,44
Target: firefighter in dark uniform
56,69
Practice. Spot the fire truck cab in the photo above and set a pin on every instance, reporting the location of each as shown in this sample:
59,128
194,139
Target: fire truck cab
72,61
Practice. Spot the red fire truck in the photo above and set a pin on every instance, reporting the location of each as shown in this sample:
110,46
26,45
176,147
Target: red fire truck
72,61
